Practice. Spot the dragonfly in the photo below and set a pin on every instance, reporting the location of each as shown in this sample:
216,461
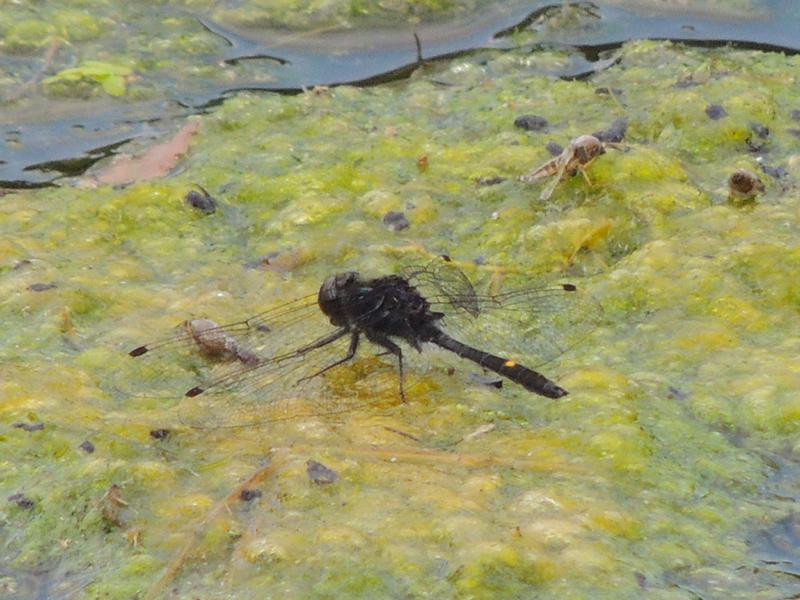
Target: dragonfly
274,364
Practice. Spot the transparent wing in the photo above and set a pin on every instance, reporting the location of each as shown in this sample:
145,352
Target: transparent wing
293,386
530,321
272,375
262,334
443,283
564,162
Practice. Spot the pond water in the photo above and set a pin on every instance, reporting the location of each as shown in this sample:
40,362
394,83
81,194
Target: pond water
671,468
76,83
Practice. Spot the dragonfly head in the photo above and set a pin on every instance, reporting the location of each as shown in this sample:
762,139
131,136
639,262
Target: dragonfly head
333,291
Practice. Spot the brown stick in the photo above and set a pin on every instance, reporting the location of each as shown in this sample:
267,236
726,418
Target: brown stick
177,562
47,62
435,456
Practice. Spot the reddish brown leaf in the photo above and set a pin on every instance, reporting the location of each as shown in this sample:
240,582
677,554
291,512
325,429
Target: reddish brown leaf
156,161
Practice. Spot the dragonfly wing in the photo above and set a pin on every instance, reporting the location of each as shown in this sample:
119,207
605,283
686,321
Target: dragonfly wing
441,282
263,334
531,324
564,160
283,387
542,171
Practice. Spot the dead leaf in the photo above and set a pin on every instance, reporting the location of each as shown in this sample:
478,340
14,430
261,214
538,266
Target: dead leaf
156,161
111,504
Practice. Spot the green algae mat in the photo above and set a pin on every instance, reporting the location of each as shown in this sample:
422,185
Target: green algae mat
671,470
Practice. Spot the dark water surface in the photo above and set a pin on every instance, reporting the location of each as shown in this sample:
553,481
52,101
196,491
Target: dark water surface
46,137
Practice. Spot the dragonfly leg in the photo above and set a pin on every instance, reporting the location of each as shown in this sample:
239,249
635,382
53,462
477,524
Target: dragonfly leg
351,352
391,348
582,169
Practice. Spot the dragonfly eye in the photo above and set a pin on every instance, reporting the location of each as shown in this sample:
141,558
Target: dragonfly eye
333,291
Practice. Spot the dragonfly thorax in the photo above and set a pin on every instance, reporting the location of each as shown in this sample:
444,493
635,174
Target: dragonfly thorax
389,304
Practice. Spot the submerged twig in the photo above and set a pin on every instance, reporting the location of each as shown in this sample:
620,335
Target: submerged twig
47,62
403,433
443,456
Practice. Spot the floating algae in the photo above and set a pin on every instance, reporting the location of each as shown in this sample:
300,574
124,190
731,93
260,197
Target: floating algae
653,473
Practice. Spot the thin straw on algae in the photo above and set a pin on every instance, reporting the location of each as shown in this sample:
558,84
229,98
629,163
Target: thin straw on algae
180,558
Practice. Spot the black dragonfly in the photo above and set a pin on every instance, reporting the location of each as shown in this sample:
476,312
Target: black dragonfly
261,370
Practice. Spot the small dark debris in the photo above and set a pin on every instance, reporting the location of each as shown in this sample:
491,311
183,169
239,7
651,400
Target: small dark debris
263,262
744,184
396,221
87,446
21,500
160,434
554,148
28,426
489,380
21,264
531,123
441,567
794,132
261,327
641,580
615,132
795,114
677,394
756,146
760,130
487,181
716,112
319,473
248,495
608,91
202,201
774,172
41,287
686,82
